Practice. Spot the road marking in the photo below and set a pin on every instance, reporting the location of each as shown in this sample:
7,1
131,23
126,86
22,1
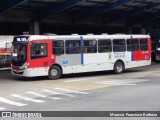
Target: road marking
84,79
67,90
119,82
36,94
128,80
1,108
55,98
27,98
122,82
11,102
53,92
113,83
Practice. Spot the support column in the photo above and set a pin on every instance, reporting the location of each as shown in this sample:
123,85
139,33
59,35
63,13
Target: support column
129,30
143,31
36,28
31,32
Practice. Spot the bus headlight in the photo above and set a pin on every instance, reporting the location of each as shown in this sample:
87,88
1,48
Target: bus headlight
26,65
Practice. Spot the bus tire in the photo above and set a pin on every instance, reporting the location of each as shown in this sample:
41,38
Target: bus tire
118,67
54,73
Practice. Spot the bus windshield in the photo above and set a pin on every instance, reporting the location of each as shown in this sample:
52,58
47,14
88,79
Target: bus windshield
19,54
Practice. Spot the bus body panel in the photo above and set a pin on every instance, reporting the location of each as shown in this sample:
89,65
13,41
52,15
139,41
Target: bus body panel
68,60
32,72
42,62
83,62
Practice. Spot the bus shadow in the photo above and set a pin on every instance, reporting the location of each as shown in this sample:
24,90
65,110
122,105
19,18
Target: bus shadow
6,75
98,74
29,79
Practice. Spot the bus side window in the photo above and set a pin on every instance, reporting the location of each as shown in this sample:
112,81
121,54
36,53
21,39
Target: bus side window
58,47
38,50
72,46
104,46
132,45
119,45
84,50
89,46
144,44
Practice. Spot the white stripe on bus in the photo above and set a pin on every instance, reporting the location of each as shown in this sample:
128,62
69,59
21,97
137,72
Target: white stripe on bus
73,91
11,102
37,94
53,92
27,98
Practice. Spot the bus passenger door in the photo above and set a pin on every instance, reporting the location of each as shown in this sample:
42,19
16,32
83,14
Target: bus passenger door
39,57
145,49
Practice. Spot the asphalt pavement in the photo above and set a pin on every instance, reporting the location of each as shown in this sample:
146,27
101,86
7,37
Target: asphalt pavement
136,89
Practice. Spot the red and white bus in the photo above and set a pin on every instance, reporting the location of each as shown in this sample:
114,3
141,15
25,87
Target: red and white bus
5,54
54,55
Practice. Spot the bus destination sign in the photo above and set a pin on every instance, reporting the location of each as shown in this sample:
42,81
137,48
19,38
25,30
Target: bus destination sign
20,39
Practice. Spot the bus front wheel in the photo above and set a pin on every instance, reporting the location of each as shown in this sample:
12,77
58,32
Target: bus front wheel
54,73
118,67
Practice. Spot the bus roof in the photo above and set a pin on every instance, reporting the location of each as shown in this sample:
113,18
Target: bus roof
86,37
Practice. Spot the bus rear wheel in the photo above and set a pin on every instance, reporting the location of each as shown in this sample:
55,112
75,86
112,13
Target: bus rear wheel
54,73
118,67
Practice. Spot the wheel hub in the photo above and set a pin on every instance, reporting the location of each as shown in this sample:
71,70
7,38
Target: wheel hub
54,72
119,68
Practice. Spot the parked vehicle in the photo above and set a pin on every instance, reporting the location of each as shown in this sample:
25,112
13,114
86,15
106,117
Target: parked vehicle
5,62
5,52
54,55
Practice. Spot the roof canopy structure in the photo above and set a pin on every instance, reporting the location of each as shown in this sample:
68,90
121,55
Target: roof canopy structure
80,10
73,16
